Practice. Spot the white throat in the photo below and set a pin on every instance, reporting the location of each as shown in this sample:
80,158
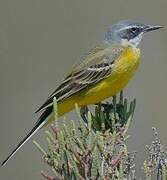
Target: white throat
136,41
133,42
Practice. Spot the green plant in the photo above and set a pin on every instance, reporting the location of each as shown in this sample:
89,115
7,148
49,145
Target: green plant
94,147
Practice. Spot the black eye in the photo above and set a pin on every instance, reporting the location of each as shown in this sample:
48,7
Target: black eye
134,29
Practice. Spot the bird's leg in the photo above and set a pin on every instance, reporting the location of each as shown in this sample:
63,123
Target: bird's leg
106,106
84,111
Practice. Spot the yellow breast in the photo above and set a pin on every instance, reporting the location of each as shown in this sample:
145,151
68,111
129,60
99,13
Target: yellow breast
123,70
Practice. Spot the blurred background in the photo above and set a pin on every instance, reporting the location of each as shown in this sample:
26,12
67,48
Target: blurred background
41,39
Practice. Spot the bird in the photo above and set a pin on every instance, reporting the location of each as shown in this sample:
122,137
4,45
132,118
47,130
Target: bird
104,72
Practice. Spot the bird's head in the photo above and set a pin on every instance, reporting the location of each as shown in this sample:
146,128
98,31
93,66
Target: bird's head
128,31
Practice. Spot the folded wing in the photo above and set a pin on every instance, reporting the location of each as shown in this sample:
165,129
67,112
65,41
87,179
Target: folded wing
97,66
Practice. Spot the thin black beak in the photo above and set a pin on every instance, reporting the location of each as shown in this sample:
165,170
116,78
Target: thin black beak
152,28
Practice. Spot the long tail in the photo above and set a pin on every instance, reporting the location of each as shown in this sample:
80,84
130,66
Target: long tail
39,124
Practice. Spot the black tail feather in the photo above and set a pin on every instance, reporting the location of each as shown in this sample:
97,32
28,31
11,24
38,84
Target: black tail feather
39,124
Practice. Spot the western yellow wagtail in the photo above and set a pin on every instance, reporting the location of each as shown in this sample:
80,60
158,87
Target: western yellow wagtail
104,72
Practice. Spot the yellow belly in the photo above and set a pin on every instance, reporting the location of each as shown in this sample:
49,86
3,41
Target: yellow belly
123,70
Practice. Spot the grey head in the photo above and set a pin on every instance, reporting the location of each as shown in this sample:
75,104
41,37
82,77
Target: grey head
128,31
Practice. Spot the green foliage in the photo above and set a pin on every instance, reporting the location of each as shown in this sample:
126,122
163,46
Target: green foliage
95,146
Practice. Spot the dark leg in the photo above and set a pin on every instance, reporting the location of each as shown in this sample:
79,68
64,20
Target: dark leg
84,111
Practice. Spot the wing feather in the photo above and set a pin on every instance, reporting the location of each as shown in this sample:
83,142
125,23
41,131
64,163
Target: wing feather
97,66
